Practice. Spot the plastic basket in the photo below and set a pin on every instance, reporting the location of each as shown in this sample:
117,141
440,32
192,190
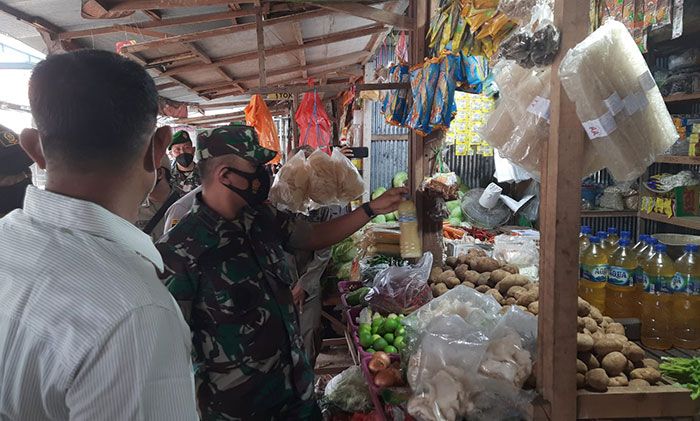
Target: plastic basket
348,286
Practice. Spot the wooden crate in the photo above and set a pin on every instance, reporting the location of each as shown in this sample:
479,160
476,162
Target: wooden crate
625,402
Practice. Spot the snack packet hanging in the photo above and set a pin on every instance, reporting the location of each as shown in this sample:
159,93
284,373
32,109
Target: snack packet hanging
322,179
349,182
396,99
444,107
291,186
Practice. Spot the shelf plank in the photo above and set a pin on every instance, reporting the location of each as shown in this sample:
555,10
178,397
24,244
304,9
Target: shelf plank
675,159
646,402
692,222
682,97
606,213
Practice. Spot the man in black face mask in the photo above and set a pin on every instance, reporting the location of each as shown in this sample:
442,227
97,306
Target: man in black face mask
184,174
225,265
15,174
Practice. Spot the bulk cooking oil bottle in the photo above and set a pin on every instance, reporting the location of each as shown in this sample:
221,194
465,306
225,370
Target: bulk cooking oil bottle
686,299
603,236
410,243
656,300
641,243
643,255
584,239
621,295
613,238
594,274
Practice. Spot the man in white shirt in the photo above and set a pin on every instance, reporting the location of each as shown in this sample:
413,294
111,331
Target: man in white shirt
87,331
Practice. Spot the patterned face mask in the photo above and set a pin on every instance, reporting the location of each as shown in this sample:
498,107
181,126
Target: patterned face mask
258,185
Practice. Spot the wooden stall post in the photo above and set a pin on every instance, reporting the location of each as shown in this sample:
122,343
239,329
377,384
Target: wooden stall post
560,212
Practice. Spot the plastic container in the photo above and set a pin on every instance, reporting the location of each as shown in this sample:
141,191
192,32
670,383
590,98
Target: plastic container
351,315
408,222
643,255
621,300
641,243
594,274
584,239
613,238
348,286
656,300
686,299
603,236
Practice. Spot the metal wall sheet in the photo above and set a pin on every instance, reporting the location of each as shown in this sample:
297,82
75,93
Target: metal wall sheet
387,158
475,170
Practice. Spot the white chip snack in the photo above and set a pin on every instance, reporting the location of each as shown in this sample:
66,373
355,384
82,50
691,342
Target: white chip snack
291,187
322,184
350,185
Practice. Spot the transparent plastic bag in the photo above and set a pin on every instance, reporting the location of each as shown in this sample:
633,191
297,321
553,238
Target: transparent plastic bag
349,183
617,101
290,189
689,58
348,391
535,44
322,179
516,250
402,290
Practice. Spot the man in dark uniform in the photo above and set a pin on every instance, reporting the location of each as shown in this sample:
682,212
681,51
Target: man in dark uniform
15,174
225,265
184,174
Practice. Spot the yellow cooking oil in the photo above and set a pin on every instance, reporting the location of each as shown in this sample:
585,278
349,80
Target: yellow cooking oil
656,300
594,274
620,294
686,299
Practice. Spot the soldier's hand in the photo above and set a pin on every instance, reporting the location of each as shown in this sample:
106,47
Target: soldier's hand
389,201
298,295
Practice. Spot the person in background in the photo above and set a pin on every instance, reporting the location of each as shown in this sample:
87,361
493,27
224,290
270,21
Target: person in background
185,176
87,332
151,218
15,174
225,265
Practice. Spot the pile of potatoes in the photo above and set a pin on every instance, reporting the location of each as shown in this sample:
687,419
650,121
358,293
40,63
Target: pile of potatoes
606,357
476,270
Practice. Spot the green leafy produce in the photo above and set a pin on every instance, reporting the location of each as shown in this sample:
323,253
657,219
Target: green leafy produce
456,213
390,217
357,297
686,371
348,391
455,222
378,192
344,251
400,179
452,205
344,271
379,219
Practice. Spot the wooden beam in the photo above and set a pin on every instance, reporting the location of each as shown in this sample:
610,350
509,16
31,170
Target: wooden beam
371,13
153,15
143,31
281,49
336,87
170,59
259,29
167,85
195,36
47,30
206,59
228,104
560,218
376,40
299,38
128,5
210,117
179,81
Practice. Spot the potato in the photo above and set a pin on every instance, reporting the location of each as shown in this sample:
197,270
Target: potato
608,319
630,367
603,325
614,363
650,363
495,294
590,324
534,308
597,335
498,275
531,285
452,282
451,262
605,345
434,273
510,301
483,288
516,292
619,380
510,269
581,367
528,298
649,374
486,264
581,323
511,281
584,342
485,279
589,359
584,309
580,380
462,259
446,275
597,380
439,289
633,352
468,284
596,315
476,252
473,277
471,261
522,308
622,339
615,328
460,271
638,383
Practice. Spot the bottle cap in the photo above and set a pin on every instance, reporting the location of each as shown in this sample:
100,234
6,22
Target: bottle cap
602,235
585,229
660,248
651,240
692,248
625,234
644,238
624,242
594,239
612,230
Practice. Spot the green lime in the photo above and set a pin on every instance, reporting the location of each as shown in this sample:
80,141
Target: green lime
390,349
376,316
365,326
379,344
389,337
370,351
399,342
400,331
365,339
392,316
375,337
390,325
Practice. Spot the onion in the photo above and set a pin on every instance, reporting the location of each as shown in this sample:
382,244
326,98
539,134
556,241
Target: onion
384,378
380,360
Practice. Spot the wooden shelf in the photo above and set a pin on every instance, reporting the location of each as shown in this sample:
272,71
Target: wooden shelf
675,159
627,402
682,97
606,213
692,222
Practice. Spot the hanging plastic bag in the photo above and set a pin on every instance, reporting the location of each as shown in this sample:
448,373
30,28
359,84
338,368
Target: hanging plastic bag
258,115
424,79
314,124
290,191
322,179
444,107
402,290
349,183
535,44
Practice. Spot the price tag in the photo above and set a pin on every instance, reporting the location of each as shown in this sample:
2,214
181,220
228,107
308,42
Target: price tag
641,99
601,126
614,103
647,80
539,107
630,103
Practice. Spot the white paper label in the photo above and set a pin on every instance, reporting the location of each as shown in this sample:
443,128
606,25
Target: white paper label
677,19
614,103
641,99
539,107
635,102
601,126
647,80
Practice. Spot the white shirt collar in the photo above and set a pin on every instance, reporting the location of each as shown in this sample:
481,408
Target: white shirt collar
91,218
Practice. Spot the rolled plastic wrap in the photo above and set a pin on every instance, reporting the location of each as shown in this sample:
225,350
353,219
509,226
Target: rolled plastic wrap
617,101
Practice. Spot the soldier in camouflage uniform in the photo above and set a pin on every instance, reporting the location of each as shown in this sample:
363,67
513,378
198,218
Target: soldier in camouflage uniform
184,174
225,265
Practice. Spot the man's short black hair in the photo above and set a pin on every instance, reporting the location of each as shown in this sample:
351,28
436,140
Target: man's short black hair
93,109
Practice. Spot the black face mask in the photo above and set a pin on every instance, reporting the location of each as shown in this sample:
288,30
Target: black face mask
184,159
258,185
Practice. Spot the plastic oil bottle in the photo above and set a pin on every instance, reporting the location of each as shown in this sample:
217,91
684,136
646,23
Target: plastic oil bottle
656,300
621,295
410,243
584,239
594,274
686,299
641,243
603,236
643,255
613,238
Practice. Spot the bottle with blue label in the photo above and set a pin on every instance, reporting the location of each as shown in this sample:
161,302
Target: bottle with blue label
657,300
644,253
621,299
686,299
594,274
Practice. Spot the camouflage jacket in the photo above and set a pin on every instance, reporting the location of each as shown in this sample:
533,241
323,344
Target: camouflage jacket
233,285
185,182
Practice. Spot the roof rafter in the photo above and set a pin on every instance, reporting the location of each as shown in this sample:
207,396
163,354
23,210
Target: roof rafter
369,12
132,5
299,37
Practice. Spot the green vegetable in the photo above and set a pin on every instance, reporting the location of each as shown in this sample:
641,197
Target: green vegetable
389,338
390,349
392,316
379,219
686,371
400,179
344,271
357,297
452,205
456,213
365,339
399,342
370,351
344,252
400,331
375,337
380,344
455,222
365,327
390,217
390,325
378,192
